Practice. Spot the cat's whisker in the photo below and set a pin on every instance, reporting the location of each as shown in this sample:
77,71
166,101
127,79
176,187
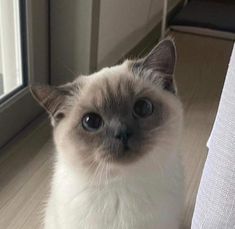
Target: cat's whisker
93,165
101,175
159,166
75,74
163,126
107,172
91,178
95,175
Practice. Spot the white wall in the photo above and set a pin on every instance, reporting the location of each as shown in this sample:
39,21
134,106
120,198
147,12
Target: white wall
123,24
75,45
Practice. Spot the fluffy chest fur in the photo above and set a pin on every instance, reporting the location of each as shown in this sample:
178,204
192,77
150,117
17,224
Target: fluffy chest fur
150,198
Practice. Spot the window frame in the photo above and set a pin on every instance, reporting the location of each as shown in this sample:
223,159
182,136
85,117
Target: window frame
18,108
24,63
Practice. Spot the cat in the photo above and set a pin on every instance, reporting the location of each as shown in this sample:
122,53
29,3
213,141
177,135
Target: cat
117,134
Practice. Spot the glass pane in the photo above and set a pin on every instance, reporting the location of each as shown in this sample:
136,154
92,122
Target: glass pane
10,47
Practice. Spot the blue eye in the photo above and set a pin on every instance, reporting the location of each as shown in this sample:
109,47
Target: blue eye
92,122
142,108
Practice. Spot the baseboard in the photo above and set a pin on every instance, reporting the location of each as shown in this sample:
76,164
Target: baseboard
204,32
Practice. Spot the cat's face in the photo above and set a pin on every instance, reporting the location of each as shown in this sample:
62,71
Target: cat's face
116,115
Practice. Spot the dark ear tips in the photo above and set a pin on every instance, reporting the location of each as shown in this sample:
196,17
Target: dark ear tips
168,42
162,58
40,92
47,96
159,65
33,91
168,45
53,99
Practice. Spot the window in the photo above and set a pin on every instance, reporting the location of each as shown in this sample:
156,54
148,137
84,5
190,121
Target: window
11,77
24,59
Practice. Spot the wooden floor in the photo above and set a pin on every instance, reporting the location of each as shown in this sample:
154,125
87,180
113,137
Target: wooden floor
25,165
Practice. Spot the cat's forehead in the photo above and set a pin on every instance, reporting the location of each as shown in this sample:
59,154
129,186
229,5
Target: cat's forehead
109,91
112,88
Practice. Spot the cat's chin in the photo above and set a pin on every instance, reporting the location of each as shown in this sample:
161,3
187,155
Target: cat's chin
116,156
124,156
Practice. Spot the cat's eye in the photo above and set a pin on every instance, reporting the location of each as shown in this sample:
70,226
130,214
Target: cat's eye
142,108
92,122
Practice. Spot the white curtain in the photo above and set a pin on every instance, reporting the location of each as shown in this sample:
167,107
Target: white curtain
215,204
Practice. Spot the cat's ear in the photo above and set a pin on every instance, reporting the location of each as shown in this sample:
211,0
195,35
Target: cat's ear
159,65
53,99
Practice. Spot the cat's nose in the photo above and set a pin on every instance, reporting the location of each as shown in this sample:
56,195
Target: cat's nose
123,134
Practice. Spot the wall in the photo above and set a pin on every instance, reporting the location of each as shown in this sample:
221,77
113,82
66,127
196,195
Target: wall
86,35
123,24
70,39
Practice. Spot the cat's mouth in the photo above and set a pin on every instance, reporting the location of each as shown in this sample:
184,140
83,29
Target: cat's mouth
118,152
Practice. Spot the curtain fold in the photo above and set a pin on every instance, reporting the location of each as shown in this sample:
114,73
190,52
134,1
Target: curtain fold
215,204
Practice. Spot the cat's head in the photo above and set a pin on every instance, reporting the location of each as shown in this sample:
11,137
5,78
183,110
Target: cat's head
118,114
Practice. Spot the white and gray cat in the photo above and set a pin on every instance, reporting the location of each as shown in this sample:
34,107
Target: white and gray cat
117,133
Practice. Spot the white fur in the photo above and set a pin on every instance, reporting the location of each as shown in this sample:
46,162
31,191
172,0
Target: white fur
147,197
